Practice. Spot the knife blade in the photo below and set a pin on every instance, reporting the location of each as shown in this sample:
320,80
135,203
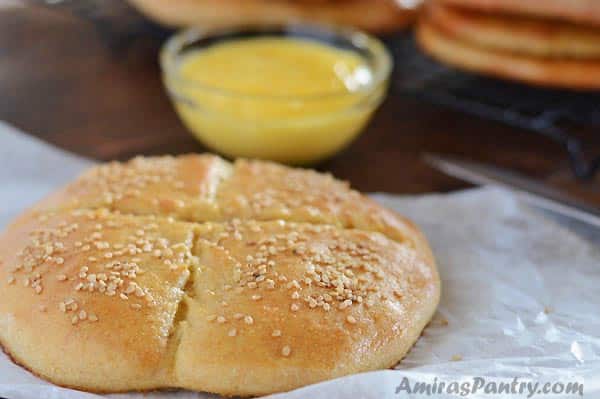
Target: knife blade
529,190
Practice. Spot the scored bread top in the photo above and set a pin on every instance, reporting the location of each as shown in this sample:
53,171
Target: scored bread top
190,272
200,188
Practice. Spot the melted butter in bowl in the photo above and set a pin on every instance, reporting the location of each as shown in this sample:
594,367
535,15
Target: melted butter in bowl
290,95
274,66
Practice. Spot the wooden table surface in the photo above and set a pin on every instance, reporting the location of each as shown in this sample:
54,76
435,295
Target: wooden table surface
96,91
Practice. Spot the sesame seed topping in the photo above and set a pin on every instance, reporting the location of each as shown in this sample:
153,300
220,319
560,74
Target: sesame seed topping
350,319
232,332
276,333
286,351
345,304
334,271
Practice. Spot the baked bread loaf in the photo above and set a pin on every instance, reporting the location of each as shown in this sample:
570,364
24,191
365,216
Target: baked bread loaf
372,15
191,272
513,44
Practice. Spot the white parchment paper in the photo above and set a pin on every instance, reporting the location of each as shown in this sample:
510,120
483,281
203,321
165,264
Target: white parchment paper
521,293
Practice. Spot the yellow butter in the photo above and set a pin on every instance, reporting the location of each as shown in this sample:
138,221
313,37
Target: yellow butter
285,99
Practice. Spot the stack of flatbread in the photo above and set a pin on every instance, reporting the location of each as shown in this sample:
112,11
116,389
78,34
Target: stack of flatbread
542,42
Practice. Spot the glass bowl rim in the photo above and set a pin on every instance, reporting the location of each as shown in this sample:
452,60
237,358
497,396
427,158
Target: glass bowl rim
171,49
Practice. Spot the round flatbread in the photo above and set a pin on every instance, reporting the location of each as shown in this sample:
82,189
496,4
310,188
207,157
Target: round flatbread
190,272
523,35
374,15
563,73
579,11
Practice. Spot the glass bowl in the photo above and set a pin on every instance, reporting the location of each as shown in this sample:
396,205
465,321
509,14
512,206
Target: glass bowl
292,129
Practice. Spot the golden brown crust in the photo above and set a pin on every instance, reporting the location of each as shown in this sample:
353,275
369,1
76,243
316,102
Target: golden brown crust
127,294
578,11
267,191
50,263
561,72
202,188
182,187
375,15
287,276
523,35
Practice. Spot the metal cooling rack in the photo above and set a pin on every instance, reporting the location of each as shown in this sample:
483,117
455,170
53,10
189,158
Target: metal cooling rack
557,114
